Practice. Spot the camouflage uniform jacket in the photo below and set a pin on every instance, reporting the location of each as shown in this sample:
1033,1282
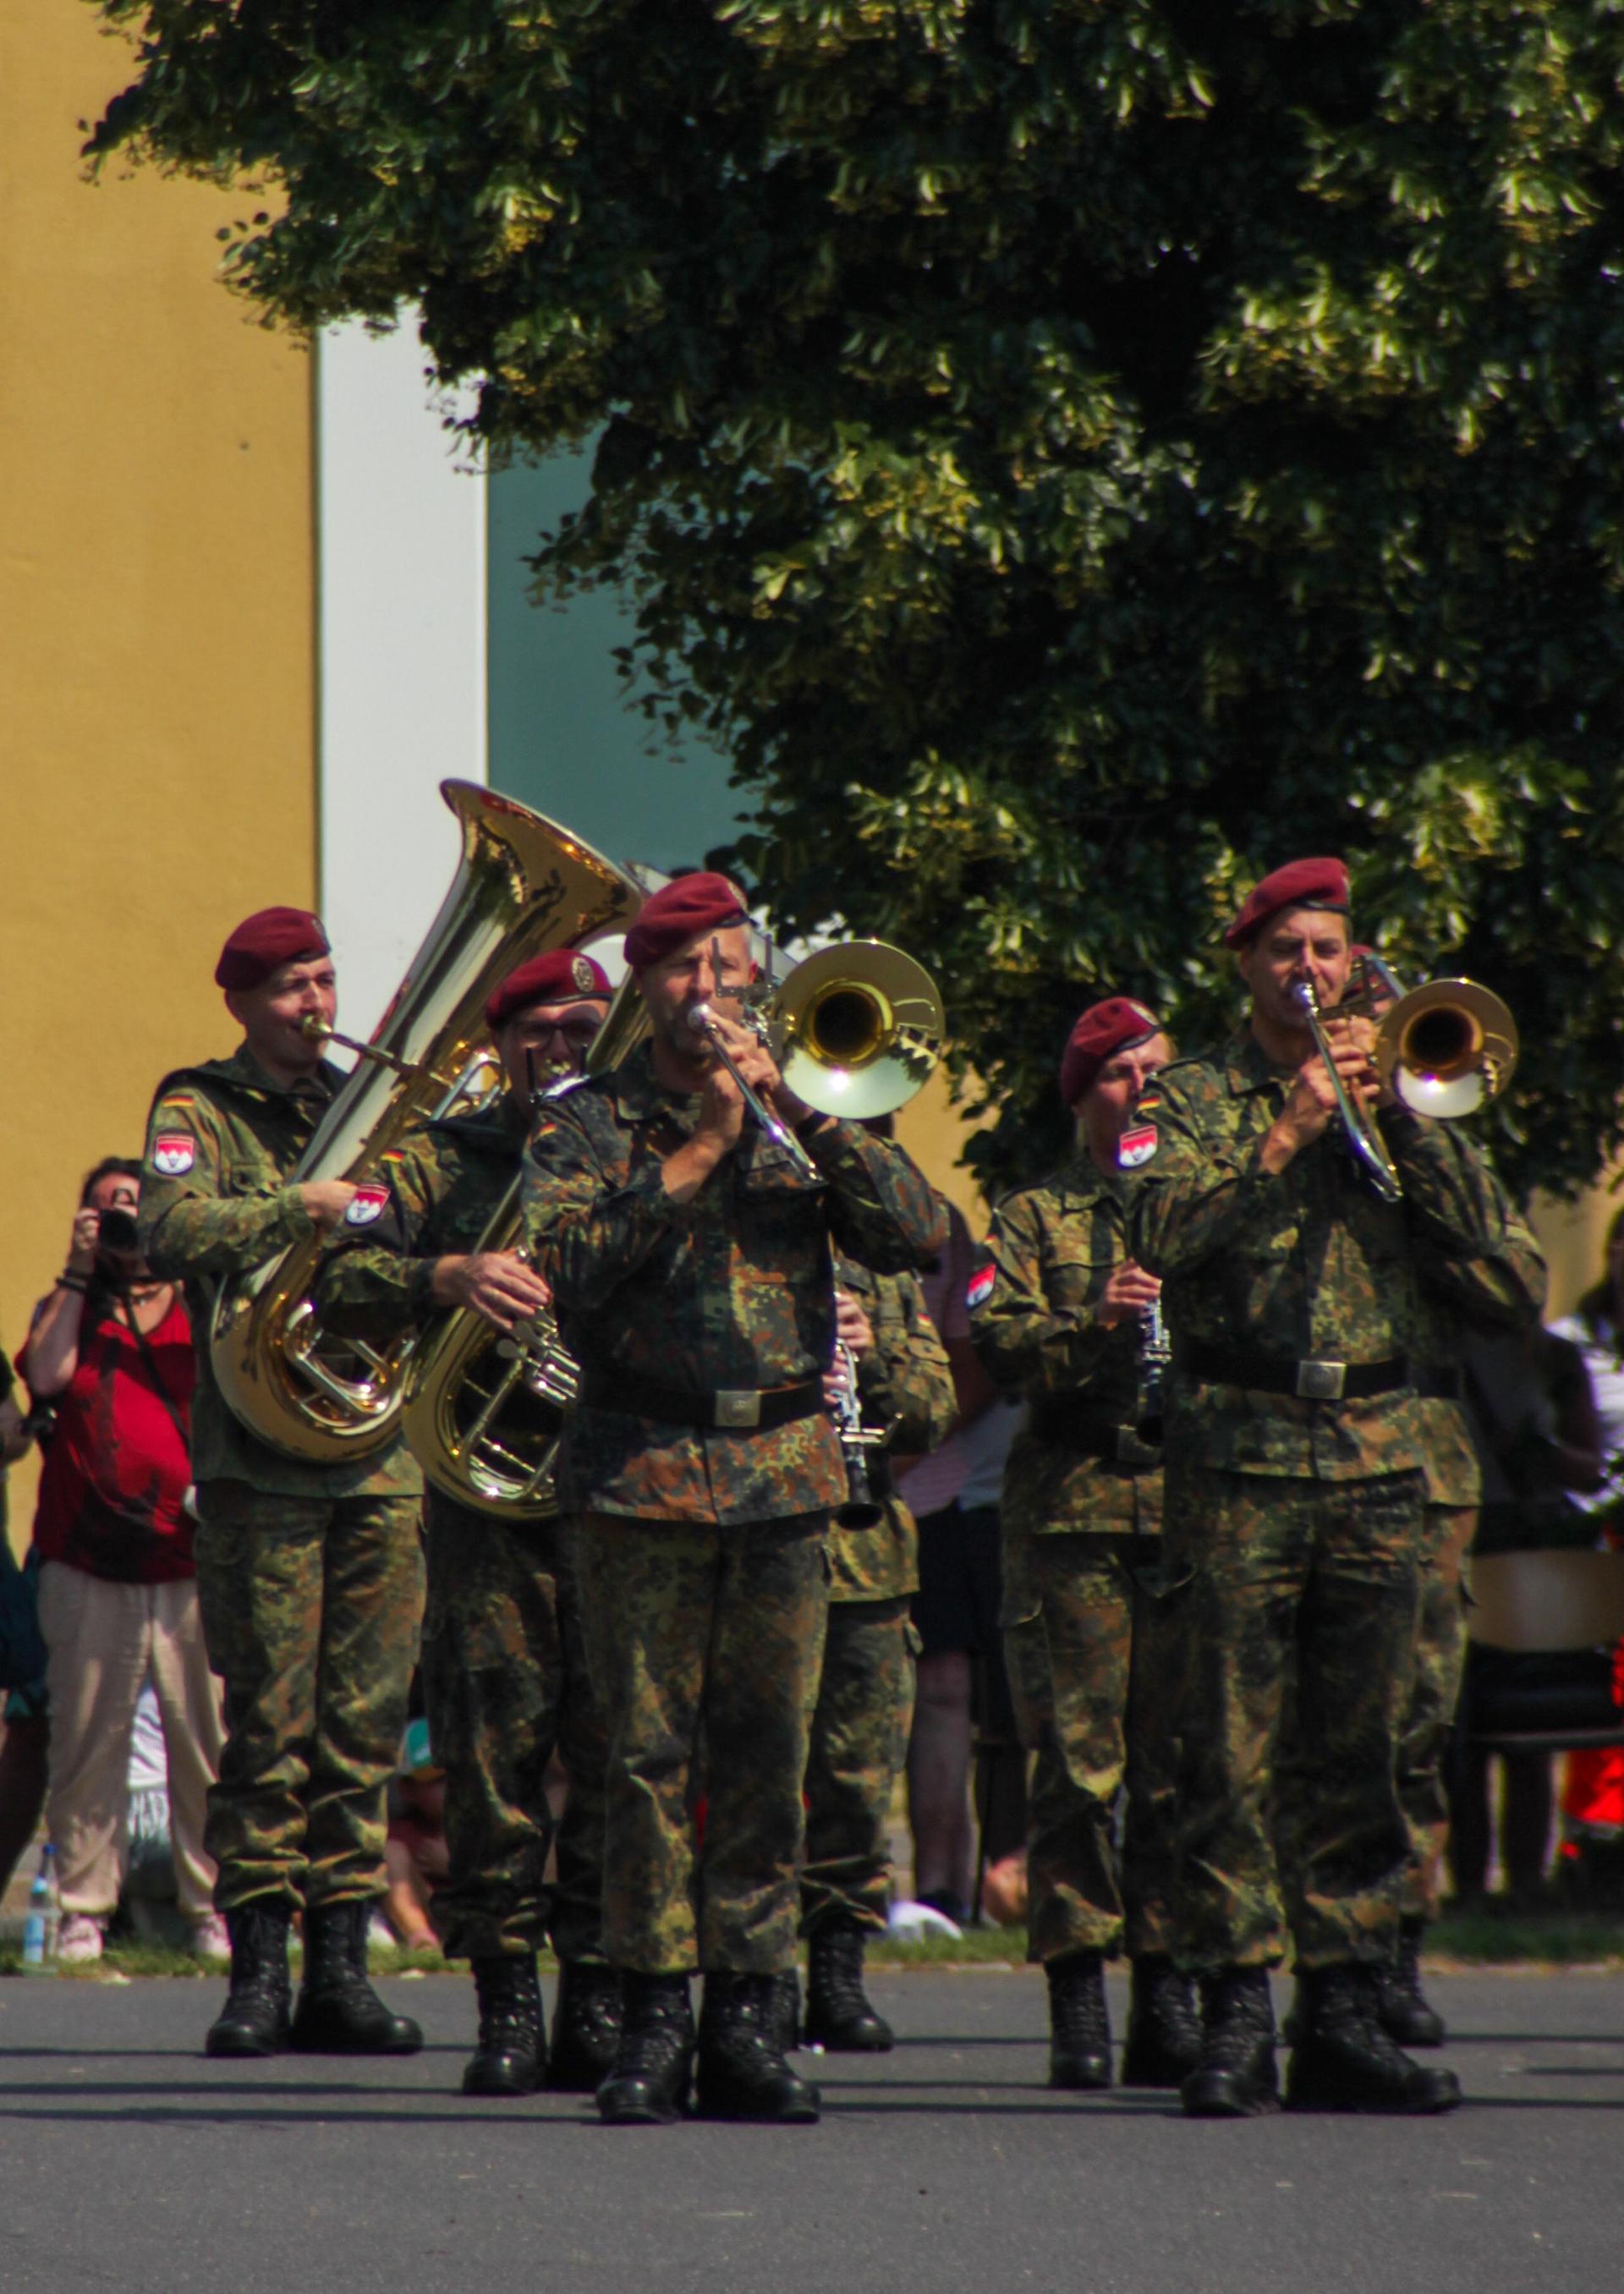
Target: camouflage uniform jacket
734,1289
216,1202
1034,1320
903,1384
1304,1264
446,1181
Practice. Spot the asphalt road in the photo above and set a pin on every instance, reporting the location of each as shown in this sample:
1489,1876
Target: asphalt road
129,2160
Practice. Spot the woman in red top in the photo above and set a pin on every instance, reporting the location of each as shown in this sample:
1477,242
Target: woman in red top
111,1349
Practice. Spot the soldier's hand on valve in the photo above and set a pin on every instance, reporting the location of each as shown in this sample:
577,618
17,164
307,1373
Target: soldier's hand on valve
326,1200
1353,1043
497,1284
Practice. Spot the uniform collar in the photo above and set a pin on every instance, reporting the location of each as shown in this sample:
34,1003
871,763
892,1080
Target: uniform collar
1247,1067
243,1073
640,1095
1082,1179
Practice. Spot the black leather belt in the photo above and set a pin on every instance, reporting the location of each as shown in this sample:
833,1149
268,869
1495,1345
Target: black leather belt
1091,1433
730,1408
1439,1382
1309,1379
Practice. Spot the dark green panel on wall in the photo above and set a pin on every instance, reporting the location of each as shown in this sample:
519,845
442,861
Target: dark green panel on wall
561,736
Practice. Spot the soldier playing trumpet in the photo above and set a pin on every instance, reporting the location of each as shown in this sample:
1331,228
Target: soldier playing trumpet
690,1259
1296,1491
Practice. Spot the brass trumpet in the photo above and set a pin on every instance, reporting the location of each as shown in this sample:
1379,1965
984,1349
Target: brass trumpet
854,1030
1444,1050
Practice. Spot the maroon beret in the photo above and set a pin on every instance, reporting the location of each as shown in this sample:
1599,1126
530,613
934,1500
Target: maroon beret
264,941
563,976
1299,884
678,913
1104,1028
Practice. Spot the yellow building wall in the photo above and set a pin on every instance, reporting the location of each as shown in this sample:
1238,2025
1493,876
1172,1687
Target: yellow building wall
157,666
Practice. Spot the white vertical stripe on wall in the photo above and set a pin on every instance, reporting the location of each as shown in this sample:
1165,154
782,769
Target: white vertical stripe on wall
401,543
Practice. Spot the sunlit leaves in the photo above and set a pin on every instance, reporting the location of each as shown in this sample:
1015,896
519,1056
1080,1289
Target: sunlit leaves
1071,454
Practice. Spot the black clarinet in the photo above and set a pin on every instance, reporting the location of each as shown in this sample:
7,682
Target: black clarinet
863,1509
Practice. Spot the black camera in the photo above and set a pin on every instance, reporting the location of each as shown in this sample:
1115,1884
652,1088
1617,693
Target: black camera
118,1230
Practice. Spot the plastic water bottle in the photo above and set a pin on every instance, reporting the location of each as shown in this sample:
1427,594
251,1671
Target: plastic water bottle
44,1917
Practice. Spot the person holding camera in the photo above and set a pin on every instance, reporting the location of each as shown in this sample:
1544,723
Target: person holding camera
22,1693
110,1351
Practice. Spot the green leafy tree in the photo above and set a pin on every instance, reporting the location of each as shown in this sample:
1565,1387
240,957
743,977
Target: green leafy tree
1071,454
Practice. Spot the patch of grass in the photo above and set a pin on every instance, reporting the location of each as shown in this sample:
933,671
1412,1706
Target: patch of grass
1553,1938
1488,1935
975,1947
129,1957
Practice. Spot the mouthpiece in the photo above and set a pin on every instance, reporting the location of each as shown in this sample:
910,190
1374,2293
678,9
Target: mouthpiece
699,1017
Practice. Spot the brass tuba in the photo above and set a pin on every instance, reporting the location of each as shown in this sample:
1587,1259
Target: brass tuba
484,1409
524,886
855,1028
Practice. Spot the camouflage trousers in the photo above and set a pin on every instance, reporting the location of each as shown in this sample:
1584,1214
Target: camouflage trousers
310,1610
694,1627
505,1680
1441,1656
1089,1671
860,1726
1295,1606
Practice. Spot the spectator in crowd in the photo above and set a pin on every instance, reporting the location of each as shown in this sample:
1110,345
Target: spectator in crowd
962,1686
415,1852
1593,1789
22,1689
110,1348
1534,1421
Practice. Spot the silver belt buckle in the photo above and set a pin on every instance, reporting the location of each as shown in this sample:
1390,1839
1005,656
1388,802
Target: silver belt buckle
1320,1381
737,1406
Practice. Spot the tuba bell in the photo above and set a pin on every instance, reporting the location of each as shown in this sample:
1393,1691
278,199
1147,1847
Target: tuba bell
523,886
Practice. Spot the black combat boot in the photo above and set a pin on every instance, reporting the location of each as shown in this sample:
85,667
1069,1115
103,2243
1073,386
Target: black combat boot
508,2060
741,2071
1079,2021
786,2010
586,2027
1163,2029
338,2012
255,2018
1346,2061
839,2016
655,2059
1405,2012
1235,2077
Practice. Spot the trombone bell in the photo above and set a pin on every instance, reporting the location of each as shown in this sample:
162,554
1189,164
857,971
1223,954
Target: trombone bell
855,1028
1446,1048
